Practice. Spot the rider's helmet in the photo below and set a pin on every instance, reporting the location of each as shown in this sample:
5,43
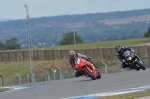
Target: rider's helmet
72,54
118,48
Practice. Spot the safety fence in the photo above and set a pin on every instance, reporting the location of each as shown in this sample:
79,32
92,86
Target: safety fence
46,75
101,53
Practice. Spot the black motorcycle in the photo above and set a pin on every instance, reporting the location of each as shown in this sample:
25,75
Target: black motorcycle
133,60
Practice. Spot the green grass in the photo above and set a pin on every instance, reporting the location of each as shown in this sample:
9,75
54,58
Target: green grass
9,69
102,44
129,95
4,89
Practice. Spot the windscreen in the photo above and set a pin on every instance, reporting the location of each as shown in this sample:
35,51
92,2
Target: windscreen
126,53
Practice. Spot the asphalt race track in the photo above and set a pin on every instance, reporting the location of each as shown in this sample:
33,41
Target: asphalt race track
65,88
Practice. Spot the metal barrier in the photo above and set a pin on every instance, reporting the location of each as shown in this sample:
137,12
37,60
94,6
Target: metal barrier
2,80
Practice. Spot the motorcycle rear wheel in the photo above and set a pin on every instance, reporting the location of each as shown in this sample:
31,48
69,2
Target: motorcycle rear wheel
90,74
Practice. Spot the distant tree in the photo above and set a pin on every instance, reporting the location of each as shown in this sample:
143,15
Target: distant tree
147,34
68,38
2,46
12,44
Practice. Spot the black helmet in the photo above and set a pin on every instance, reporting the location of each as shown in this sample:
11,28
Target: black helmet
118,48
72,54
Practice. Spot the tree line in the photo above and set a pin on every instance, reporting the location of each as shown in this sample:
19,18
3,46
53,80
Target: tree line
69,38
147,34
10,44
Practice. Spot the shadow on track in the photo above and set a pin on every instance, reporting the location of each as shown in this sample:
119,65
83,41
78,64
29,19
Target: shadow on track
85,80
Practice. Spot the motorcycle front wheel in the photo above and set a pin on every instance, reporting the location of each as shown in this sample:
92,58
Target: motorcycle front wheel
90,74
99,76
140,65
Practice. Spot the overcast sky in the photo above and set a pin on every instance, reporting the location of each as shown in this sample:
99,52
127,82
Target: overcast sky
14,9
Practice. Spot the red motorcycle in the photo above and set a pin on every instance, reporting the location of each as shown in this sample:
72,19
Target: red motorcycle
87,68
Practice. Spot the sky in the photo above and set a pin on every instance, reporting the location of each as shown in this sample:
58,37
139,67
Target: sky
14,9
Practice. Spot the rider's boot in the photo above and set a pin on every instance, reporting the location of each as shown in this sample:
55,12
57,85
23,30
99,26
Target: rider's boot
137,69
124,65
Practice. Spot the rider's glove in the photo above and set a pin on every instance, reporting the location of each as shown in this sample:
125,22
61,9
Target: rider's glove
89,58
75,70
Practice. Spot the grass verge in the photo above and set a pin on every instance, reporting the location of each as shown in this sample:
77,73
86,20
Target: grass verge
4,89
102,44
129,95
9,69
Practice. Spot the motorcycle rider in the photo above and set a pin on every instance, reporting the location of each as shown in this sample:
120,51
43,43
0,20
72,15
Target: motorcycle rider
120,50
72,55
